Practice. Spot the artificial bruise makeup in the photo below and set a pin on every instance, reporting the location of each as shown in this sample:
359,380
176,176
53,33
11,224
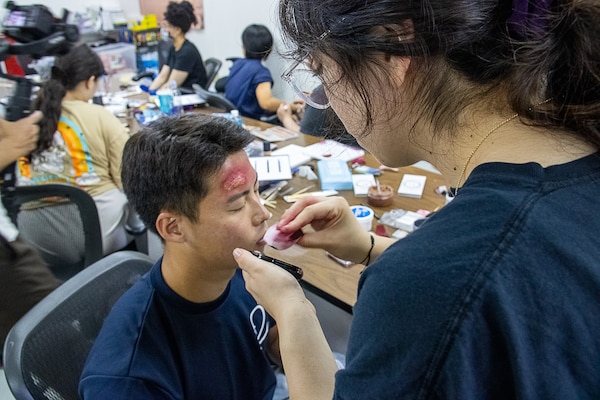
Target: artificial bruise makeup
237,173
292,269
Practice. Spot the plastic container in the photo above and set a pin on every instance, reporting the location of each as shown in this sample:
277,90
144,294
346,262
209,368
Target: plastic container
118,59
380,196
165,99
235,117
364,215
177,108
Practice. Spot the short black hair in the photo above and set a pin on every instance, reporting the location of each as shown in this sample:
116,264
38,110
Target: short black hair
257,41
181,15
168,165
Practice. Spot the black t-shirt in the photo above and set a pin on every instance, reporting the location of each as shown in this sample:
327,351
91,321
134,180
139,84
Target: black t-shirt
188,59
494,297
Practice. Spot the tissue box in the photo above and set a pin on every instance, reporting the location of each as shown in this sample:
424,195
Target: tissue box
334,174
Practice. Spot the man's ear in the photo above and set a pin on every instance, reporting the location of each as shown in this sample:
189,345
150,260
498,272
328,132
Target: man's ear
168,227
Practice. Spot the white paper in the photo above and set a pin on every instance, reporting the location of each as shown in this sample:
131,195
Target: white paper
272,168
412,185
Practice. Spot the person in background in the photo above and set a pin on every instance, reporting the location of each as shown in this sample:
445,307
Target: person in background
25,279
249,82
189,329
81,144
495,296
184,64
316,121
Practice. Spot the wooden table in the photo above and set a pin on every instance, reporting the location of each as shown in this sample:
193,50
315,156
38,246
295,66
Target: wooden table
323,276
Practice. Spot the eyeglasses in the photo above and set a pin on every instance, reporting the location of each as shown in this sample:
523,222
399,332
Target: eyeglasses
303,79
304,82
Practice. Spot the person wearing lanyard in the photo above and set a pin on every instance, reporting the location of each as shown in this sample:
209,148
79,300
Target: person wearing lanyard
496,295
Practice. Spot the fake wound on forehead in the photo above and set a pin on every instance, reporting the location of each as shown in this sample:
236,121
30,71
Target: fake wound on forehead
238,176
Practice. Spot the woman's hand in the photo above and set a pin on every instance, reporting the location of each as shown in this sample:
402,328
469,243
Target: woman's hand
272,287
298,107
334,227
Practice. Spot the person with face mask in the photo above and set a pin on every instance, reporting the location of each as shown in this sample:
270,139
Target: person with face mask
184,64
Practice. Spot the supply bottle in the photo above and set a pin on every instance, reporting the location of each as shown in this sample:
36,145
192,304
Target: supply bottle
235,117
177,106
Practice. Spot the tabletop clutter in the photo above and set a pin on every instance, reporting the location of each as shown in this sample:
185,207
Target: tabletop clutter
338,167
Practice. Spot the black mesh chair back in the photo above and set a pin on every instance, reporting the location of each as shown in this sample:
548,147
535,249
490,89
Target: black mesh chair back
214,99
41,211
45,351
212,66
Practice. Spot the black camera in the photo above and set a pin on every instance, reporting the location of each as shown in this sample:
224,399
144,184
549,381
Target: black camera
28,23
37,34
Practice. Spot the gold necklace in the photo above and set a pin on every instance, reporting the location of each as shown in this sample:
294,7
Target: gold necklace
462,174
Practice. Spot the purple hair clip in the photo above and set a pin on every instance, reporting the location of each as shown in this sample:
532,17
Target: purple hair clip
529,18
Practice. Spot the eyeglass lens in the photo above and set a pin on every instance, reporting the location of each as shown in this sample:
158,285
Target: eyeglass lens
306,83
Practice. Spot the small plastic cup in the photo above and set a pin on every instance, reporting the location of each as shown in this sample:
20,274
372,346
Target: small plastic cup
364,215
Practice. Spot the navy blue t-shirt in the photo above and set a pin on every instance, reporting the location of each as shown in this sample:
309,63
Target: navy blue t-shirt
496,296
156,345
244,77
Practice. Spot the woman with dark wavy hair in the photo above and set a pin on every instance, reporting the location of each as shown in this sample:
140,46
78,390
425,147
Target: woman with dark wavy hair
184,64
495,296
81,144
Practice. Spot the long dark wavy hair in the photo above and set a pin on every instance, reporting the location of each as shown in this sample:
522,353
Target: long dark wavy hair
461,51
79,65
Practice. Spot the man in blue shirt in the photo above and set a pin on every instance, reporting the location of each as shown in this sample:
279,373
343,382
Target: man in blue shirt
189,329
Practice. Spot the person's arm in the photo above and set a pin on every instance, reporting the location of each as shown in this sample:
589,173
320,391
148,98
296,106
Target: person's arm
161,79
178,76
307,359
265,98
273,346
19,138
335,229
284,113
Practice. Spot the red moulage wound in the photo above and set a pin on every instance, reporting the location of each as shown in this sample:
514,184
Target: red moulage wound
279,240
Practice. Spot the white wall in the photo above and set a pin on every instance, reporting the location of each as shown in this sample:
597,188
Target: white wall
224,22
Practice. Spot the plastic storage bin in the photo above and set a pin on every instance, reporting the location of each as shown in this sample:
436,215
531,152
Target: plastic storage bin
119,62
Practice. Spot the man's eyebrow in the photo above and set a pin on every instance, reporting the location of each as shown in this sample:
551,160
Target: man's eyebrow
243,194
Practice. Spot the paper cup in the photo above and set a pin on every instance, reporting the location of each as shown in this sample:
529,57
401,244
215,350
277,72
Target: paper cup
165,98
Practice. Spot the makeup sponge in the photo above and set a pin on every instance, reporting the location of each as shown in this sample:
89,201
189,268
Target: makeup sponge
279,240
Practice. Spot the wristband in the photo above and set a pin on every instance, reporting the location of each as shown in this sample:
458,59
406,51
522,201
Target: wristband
367,259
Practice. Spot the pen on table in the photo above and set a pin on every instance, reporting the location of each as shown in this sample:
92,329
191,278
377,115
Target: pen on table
292,269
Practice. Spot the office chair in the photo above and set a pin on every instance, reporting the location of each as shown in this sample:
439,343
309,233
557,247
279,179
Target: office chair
214,99
46,350
75,210
221,82
212,66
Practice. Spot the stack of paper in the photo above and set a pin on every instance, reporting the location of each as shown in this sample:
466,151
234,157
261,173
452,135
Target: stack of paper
329,149
295,153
